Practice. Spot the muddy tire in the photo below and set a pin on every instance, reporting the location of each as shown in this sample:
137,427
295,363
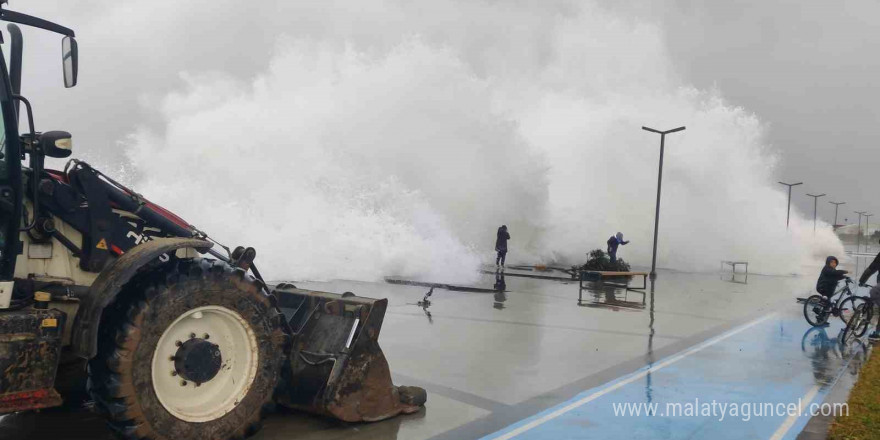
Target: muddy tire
193,349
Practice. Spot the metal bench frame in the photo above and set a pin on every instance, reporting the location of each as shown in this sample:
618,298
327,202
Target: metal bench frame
733,265
599,276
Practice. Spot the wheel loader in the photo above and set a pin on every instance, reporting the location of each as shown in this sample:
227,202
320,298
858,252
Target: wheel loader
171,334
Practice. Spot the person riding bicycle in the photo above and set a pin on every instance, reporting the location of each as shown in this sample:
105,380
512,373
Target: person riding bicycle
875,291
829,277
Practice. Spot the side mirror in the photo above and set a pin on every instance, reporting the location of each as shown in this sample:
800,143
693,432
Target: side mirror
56,144
69,60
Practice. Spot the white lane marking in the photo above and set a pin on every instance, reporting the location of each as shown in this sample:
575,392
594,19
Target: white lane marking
789,422
675,358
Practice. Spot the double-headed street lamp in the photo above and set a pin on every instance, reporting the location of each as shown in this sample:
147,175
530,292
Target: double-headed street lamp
789,185
859,230
815,201
836,205
659,183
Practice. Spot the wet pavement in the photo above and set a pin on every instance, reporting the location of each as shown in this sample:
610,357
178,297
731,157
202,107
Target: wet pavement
494,363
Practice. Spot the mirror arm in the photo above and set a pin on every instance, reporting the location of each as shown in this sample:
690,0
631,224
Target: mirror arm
36,162
17,43
30,113
29,20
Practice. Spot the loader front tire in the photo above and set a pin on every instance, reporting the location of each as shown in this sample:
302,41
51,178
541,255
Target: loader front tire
193,349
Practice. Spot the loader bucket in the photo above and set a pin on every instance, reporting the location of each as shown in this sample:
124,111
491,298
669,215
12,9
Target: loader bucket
336,367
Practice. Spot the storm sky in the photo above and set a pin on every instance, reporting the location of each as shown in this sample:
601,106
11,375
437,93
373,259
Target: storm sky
805,69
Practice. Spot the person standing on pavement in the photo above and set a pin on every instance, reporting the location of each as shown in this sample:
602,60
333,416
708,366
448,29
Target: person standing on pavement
613,242
875,291
501,245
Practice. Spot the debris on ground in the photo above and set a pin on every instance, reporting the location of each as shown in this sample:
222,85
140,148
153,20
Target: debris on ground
599,261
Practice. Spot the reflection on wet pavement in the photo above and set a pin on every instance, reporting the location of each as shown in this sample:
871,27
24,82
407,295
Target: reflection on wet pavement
828,354
735,277
500,286
613,298
503,349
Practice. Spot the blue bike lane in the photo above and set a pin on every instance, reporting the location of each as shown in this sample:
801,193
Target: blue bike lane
759,380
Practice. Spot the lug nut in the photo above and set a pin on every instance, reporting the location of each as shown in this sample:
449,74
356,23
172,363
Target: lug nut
183,383
207,336
174,373
172,358
192,335
178,343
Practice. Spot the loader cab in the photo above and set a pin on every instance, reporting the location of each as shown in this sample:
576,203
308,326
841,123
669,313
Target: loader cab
12,149
10,176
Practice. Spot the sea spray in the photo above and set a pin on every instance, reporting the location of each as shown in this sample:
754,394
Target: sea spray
400,149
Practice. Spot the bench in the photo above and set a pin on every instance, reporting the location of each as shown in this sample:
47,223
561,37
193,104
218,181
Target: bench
733,265
600,277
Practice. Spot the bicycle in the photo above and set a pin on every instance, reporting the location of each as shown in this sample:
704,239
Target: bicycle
818,308
861,319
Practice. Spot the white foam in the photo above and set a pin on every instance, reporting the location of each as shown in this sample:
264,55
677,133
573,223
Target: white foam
352,158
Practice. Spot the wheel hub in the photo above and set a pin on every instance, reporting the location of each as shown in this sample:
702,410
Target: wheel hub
204,363
198,360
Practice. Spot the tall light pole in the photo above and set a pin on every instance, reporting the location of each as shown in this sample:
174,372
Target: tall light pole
789,185
859,230
659,183
867,216
815,201
836,206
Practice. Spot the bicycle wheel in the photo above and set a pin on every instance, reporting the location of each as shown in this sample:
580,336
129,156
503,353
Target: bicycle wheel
867,317
816,310
860,320
848,307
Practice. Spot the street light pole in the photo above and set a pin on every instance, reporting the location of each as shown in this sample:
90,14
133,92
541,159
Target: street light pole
815,202
859,230
867,216
836,206
659,183
789,185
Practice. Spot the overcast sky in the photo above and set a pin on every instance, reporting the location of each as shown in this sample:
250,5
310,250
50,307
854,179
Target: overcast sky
806,69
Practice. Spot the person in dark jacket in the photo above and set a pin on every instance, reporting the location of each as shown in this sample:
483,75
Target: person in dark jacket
613,242
829,277
875,291
501,245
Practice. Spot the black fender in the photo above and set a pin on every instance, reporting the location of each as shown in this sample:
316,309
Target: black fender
84,341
